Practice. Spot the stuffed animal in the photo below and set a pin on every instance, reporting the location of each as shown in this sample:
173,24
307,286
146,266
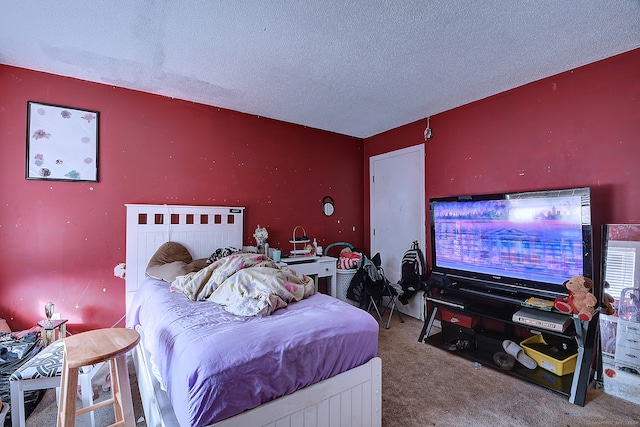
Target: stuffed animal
580,300
607,305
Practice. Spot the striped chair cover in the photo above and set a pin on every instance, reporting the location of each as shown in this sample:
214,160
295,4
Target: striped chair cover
47,363
43,368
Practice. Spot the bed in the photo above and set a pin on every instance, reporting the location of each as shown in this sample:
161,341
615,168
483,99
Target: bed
319,386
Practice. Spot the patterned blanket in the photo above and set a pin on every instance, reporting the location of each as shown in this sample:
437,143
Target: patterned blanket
245,285
15,350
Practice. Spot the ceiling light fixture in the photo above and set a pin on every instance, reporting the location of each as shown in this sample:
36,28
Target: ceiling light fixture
427,132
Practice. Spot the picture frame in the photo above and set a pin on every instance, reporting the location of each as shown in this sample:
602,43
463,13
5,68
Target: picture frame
62,143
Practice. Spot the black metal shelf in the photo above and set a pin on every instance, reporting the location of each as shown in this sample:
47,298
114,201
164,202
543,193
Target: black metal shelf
574,385
490,308
559,384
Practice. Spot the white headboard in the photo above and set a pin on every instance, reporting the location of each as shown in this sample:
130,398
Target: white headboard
201,229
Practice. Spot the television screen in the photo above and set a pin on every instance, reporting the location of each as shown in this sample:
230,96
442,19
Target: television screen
521,241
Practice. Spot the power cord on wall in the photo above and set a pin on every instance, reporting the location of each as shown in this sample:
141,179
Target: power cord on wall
119,321
113,326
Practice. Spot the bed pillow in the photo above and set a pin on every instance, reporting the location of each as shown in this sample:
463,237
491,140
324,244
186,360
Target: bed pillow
172,260
170,252
169,271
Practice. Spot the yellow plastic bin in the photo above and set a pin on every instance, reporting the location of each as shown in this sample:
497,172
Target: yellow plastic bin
545,361
343,279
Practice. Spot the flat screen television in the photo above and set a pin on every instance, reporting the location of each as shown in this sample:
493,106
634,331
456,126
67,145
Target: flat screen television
524,244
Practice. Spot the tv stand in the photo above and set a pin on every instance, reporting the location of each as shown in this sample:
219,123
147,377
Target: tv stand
493,312
510,297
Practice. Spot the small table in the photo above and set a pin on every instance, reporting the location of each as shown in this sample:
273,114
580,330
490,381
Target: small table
53,330
318,266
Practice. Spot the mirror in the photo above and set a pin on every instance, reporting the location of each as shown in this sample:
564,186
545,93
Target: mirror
621,281
621,258
327,205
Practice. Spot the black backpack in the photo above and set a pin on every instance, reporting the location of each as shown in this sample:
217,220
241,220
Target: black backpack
414,273
362,285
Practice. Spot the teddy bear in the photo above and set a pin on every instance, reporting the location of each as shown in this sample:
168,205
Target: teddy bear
580,300
607,305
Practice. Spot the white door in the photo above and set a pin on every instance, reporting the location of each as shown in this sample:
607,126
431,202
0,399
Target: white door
397,191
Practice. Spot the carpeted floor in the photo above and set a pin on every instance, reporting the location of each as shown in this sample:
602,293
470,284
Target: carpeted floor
428,386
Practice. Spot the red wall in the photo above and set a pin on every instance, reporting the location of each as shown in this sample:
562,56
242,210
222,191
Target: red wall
61,240
579,128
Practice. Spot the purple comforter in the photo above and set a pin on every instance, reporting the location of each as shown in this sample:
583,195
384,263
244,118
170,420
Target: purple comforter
215,365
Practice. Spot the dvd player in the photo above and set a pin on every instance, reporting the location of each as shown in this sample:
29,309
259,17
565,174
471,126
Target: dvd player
542,319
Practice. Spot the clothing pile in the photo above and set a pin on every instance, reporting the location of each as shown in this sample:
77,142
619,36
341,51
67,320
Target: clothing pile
16,349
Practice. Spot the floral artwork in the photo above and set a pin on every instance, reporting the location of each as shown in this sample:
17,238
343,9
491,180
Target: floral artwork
62,143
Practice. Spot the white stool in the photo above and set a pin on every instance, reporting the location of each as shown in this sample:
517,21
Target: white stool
44,371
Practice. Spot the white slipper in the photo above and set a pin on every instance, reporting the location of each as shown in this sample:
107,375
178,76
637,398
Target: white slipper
518,352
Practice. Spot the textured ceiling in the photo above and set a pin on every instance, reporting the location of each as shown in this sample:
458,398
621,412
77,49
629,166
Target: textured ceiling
356,67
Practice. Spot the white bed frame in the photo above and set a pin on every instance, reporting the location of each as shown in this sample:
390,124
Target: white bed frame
352,398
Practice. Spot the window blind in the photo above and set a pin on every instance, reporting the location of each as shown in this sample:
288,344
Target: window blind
620,269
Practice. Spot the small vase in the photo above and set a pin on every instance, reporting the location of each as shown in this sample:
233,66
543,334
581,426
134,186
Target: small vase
48,311
261,245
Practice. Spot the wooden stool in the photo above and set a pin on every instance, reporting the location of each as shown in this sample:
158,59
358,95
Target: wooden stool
89,348
42,371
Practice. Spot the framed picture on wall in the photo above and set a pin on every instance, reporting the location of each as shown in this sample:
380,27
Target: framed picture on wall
62,143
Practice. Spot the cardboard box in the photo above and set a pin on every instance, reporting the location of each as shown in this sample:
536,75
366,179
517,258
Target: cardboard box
458,318
547,361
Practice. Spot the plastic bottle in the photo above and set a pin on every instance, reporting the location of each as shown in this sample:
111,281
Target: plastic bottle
315,247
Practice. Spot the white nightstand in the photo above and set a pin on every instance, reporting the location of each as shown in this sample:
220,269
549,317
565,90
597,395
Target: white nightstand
315,266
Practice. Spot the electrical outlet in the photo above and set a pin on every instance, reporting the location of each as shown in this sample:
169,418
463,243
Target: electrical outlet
56,316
